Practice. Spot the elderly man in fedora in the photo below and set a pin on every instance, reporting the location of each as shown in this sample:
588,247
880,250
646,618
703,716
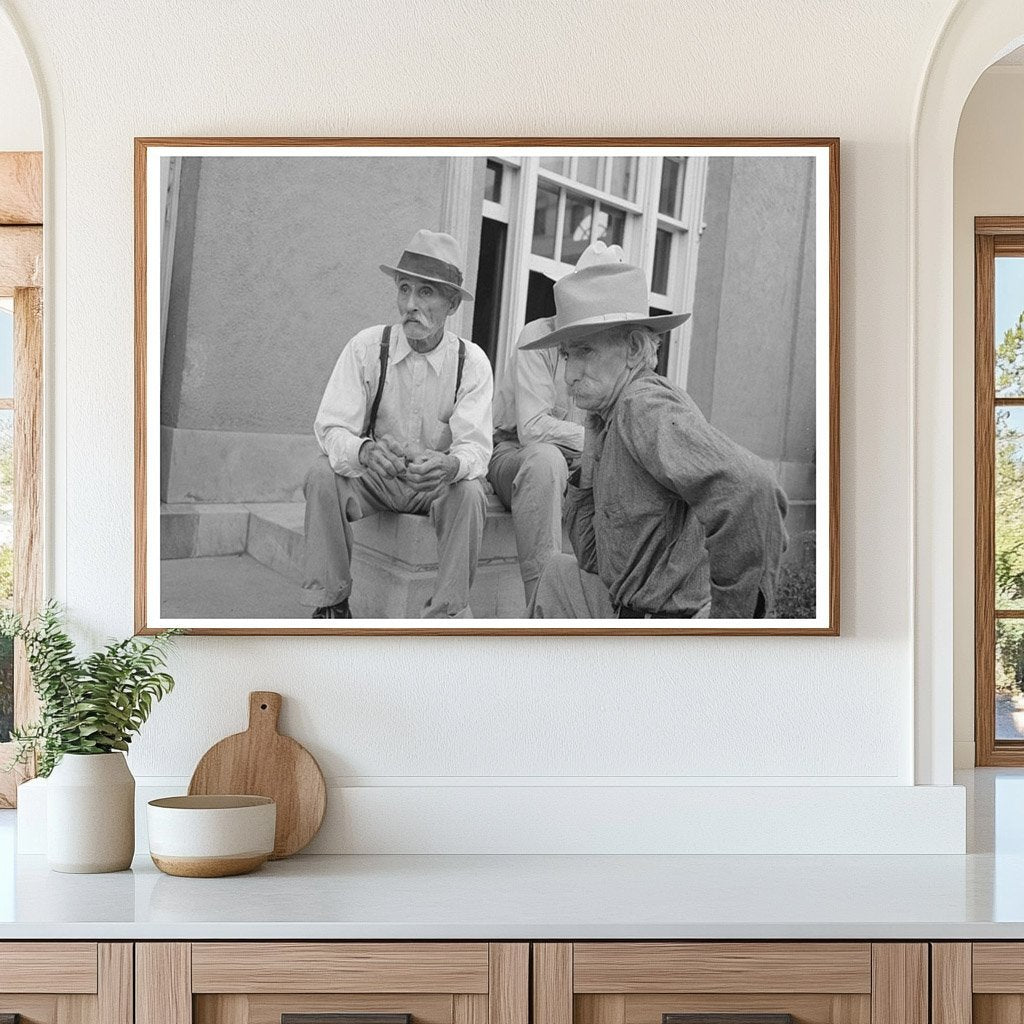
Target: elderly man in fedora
668,517
404,425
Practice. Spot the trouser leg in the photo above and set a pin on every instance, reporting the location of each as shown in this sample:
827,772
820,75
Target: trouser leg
332,503
530,481
566,592
458,520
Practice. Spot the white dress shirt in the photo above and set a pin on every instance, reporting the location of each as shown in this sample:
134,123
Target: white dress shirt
534,401
418,404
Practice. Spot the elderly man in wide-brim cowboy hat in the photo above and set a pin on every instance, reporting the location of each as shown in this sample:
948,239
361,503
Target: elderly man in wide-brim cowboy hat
404,425
668,517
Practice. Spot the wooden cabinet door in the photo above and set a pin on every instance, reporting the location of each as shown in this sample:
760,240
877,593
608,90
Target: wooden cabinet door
66,982
980,982
730,983
332,983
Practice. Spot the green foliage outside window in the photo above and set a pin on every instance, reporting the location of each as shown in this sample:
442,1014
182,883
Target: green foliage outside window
1009,510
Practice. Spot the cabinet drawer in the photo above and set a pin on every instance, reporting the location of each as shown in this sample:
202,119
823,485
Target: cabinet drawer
633,967
733,982
981,982
340,967
65,967
998,967
332,983
66,982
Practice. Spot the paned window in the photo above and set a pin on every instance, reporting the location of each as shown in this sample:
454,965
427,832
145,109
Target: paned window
999,491
580,200
650,204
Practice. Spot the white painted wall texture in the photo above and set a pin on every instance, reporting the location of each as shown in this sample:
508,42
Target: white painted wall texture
21,127
987,181
439,714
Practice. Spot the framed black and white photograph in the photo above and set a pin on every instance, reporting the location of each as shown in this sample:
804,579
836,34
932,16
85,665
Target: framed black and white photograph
492,386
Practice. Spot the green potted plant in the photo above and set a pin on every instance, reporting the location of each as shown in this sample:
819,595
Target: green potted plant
89,709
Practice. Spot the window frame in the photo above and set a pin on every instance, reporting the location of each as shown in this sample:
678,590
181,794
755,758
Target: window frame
993,237
596,198
642,221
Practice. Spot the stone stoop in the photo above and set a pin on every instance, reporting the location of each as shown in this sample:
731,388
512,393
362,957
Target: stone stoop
394,564
276,537
198,530
394,561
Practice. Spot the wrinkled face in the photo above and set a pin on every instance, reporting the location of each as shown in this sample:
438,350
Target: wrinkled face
423,307
594,367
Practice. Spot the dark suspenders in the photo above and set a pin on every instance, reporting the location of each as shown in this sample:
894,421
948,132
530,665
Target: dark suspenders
458,371
385,346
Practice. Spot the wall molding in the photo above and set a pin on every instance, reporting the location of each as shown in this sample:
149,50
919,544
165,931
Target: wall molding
963,754
618,820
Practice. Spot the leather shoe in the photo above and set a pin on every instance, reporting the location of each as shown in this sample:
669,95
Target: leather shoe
334,611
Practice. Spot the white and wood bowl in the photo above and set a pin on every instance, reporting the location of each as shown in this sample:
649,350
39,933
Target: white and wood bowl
211,836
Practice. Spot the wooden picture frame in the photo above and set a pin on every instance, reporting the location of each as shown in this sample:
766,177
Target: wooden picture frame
253,269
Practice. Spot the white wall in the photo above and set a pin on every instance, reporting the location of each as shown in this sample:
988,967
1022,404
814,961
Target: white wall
441,714
987,182
21,127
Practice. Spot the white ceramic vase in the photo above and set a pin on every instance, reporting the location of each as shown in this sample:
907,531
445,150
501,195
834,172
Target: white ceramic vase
90,814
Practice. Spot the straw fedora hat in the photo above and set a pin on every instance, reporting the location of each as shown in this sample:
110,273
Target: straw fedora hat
535,330
431,256
602,292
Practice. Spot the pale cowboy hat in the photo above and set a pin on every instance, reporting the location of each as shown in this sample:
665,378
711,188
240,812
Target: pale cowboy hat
431,256
602,292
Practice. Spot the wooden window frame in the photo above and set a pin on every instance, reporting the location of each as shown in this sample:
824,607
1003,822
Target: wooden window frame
993,236
21,278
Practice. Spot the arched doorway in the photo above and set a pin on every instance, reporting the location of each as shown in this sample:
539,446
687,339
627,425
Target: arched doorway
976,34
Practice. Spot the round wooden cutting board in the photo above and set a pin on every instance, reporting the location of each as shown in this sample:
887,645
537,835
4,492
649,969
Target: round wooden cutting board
262,762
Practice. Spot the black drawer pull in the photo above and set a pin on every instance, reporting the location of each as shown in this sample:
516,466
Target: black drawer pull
339,1018
727,1018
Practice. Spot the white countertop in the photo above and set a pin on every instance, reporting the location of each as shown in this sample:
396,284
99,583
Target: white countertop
517,897
976,896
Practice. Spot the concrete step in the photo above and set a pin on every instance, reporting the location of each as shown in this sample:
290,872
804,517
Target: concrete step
276,537
202,530
393,562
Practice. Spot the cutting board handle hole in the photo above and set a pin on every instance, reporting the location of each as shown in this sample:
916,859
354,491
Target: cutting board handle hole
263,707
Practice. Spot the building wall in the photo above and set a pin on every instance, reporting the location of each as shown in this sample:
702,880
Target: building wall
523,725
752,362
276,266
987,182
752,357
284,271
